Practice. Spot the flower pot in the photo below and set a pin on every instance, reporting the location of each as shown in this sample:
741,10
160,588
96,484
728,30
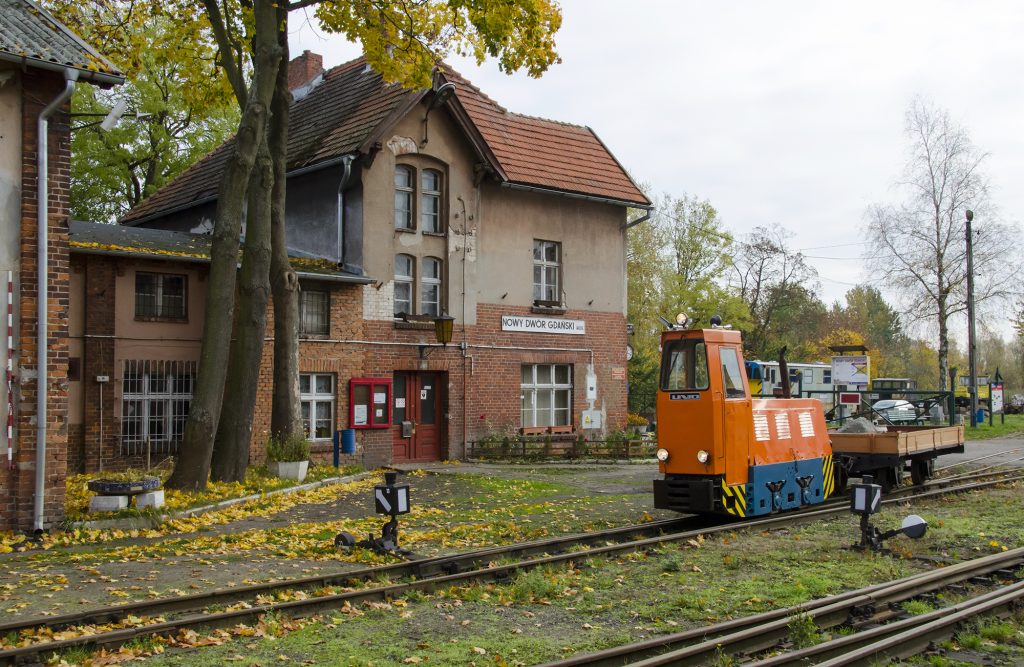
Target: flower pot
289,469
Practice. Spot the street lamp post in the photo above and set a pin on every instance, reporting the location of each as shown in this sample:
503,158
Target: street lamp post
972,385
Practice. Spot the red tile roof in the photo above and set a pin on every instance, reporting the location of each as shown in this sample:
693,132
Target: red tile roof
352,105
546,153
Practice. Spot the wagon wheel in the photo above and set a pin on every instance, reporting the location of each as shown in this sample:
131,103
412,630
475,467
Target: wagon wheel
921,471
889,478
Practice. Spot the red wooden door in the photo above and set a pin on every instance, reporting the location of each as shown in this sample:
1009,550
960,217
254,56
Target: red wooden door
418,400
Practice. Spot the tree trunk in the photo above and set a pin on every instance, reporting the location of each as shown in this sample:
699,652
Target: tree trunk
943,343
192,467
285,412
234,431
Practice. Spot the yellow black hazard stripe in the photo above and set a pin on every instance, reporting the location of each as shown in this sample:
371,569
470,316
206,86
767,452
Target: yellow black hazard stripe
828,476
734,499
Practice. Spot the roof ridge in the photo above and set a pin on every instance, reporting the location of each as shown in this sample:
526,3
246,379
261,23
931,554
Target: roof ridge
337,69
445,66
551,120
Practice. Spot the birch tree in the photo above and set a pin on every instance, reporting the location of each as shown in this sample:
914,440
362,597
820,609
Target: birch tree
918,246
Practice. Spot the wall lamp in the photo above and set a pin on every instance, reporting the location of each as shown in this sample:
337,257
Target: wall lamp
444,326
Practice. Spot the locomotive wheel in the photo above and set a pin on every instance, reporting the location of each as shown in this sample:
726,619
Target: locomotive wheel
841,479
921,471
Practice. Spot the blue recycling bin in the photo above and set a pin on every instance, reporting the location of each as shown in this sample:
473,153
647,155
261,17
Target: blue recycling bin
979,416
348,441
344,443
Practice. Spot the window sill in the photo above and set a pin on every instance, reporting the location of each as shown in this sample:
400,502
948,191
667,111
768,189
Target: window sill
437,234
312,336
405,230
547,310
416,326
155,318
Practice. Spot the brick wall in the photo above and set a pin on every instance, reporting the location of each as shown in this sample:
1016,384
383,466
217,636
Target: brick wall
17,488
98,353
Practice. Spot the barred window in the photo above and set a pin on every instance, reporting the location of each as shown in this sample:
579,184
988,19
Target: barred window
316,393
155,401
159,296
546,394
314,312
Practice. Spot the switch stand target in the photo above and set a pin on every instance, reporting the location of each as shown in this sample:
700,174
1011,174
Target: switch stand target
392,500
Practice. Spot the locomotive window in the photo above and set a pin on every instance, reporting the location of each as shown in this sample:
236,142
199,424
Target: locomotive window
731,376
685,366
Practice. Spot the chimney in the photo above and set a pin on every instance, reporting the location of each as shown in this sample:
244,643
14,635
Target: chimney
304,69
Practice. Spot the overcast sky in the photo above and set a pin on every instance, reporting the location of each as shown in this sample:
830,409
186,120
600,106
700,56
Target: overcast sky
776,112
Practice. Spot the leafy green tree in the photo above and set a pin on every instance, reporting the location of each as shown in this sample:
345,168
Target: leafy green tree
403,42
676,263
179,107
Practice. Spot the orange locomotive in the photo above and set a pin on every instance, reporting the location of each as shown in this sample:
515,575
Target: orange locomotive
719,450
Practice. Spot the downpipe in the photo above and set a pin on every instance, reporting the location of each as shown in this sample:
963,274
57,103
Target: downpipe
43,273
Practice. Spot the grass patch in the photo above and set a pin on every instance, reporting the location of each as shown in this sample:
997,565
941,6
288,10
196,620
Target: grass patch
1013,425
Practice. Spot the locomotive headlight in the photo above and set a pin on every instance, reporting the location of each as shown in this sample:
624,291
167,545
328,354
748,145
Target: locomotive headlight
662,455
702,456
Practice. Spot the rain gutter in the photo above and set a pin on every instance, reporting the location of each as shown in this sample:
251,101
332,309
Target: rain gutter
42,278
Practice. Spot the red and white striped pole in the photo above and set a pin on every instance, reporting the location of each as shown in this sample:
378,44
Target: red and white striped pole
10,369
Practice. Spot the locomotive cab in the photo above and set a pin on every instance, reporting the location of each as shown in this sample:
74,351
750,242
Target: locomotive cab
719,450
703,402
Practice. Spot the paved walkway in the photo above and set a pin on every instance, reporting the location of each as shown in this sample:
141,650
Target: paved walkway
1001,451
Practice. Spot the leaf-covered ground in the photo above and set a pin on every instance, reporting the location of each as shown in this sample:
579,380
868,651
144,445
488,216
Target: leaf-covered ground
289,535
539,616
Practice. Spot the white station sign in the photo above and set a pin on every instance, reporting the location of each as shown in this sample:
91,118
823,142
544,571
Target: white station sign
551,325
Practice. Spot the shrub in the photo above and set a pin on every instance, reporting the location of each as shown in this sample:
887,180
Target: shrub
293,448
633,419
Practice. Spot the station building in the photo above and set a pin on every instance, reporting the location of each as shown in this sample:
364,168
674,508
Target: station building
404,207
41,63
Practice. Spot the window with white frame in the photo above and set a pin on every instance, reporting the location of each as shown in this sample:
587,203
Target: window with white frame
404,192
159,296
430,287
404,279
546,394
314,312
155,401
547,267
316,394
430,201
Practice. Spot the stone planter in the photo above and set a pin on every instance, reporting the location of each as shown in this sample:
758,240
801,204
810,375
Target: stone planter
289,469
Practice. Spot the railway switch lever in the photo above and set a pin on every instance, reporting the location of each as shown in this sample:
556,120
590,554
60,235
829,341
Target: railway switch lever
390,499
866,500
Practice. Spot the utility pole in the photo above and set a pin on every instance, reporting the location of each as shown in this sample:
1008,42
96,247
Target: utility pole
972,385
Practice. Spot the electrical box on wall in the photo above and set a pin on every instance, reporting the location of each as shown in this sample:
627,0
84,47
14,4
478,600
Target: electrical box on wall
369,403
591,385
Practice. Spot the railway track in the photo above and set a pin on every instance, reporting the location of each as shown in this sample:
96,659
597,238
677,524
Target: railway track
751,634
148,618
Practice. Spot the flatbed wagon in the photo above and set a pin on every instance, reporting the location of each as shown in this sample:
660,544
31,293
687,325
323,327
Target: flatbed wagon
885,454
